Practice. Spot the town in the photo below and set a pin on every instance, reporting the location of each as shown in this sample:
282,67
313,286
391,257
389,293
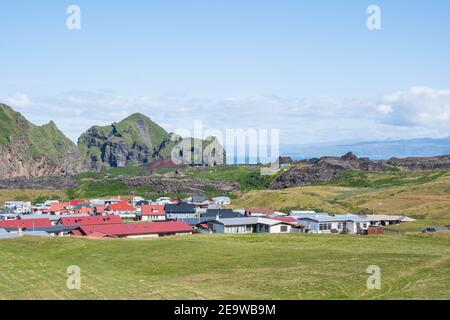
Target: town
138,218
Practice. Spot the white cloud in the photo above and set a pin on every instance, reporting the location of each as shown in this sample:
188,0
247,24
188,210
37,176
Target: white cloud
19,100
418,107
417,112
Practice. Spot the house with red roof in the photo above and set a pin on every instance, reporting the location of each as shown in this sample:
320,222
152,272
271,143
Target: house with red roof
90,220
25,223
76,202
153,212
259,212
137,230
124,209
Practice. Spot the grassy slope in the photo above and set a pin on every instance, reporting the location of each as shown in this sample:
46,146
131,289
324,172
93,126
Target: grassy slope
46,140
227,267
99,184
31,195
418,194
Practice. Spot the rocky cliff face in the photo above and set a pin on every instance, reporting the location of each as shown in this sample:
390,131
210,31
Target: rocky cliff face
27,150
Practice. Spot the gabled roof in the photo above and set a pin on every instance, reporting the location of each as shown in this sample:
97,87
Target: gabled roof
120,206
222,213
91,220
152,210
130,229
180,208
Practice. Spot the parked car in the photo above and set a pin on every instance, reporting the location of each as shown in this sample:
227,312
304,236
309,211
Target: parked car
435,229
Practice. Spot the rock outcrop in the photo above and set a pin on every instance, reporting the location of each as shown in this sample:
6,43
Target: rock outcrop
27,150
327,169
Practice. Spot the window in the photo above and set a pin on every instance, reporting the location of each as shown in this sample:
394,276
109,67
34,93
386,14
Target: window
284,229
325,226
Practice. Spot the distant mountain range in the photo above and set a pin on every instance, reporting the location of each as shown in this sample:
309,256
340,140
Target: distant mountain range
376,150
28,150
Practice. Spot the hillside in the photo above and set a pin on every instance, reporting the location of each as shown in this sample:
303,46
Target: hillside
27,150
422,194
30,150
264,266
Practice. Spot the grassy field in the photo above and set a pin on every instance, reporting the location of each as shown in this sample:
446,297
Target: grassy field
227,267
34,196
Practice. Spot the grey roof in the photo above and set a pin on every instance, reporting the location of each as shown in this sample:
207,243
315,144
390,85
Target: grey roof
197,221
180,208
222,213
336,218
238,221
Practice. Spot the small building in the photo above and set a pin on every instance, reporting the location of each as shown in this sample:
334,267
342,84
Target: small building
222,200
153,212
344,223
123,209
251,225
180,211
387,220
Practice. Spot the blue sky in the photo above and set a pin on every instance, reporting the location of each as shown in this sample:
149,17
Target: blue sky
310,68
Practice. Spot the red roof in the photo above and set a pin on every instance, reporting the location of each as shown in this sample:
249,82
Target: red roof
152,210
120,206
286,219
86,211
26,223
94,220
130,229
75,202
265,211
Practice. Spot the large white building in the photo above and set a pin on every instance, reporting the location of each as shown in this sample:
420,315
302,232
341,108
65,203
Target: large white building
18,207
343,223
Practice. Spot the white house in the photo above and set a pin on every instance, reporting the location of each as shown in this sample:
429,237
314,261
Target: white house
222,200
386,220
250,225
344,223
18,207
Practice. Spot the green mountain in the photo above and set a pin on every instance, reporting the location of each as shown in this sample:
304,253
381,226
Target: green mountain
30,150
132,141
137,140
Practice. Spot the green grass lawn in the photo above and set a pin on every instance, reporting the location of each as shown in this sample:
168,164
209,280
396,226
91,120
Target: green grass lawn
227,267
